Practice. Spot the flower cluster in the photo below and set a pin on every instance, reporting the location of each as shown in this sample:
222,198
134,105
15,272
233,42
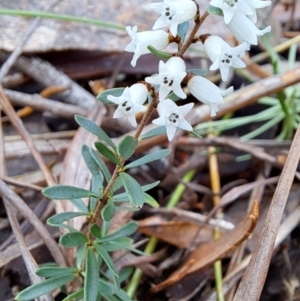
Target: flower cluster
239,16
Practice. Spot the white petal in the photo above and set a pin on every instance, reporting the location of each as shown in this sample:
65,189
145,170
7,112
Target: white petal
224,73
159,121
186,108
138,93
132,120
245,30
171,130
178,91
183,124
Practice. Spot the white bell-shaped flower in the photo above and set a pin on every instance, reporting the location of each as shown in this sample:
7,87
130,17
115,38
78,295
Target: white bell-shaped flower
223,56
172,116
169,77
130,102
232,7
207,92
245,30
173,13
159,39
254,4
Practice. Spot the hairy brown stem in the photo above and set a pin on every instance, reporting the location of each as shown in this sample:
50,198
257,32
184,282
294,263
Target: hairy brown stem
198,22
101,202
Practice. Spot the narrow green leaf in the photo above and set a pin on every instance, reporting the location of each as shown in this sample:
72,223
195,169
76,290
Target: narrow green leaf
126,230
133,189
212,10
122,243
199,72
148,199
91,163
127,146
106,152
80,256
62,217
158,53
44,287
97,187
73,239
79,204
108,211
48,272
117,185
182,30
123,197
107,259
94,129
149,158
115,244
64,192
101,164
76,296
96,231
91,277
160,130
114,92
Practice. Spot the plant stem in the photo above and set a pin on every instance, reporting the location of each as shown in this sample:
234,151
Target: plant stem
198,22
102,202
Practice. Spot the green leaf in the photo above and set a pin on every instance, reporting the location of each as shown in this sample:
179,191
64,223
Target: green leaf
112,293
91,277
121,244
101,164
116,244
158,53
149,158
108,211
117,92
160,130
133,189
62,217
182,30
199,72
148,199
64,192
126,230
173,96
44,287
73,239
123,197
96,231
212,10
97,187
91,164
79,204
106,152
94,129
48,272
80,256
107,259
76,296
127,146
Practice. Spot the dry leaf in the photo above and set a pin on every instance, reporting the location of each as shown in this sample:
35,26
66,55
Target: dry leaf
209,252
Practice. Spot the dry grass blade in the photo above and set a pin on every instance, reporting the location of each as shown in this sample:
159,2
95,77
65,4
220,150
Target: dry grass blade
42,104
207,253
254,278
17,122
34,220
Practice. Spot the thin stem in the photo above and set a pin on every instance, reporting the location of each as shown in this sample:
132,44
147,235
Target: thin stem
47,15
198,22
101,203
